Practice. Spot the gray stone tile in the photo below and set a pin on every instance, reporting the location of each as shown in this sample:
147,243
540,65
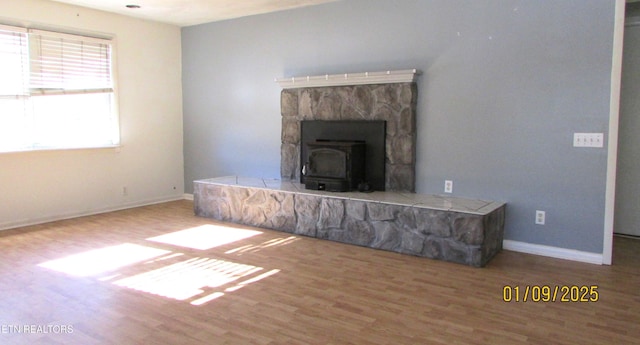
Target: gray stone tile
465,231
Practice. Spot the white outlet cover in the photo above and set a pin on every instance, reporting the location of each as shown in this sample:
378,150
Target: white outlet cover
448,186
540,217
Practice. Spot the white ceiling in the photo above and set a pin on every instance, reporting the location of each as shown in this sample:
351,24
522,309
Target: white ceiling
192,12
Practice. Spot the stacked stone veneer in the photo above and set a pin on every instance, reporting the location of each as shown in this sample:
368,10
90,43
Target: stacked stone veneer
465,238
394,103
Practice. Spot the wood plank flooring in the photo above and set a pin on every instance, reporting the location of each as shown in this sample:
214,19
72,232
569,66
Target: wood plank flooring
114,279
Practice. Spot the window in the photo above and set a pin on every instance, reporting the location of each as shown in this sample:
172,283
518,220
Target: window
56,91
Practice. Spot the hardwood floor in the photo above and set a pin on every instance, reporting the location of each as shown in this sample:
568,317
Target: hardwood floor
115,279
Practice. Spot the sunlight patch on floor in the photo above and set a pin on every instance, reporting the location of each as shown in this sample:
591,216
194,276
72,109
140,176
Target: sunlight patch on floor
240,285
98,261
270,243
205,236
197,280
187,279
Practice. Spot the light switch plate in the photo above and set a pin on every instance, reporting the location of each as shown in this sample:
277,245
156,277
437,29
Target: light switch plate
588,139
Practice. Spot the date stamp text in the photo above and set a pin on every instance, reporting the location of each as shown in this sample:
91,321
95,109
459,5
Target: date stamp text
551,293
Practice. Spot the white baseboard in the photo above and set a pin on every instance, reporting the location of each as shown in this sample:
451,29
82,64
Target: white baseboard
188,196
554,252
54,218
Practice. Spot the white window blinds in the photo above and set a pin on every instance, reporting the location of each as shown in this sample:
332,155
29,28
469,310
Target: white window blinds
56,91
13,62
62,63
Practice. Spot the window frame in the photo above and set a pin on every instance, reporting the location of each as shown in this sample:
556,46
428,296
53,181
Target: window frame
112,119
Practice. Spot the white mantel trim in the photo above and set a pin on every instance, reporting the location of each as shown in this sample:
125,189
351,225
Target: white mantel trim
386,77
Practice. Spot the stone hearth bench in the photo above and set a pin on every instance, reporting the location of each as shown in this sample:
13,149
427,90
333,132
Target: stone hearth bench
465,231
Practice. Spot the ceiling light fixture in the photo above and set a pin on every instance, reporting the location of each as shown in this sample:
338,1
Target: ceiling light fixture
133,6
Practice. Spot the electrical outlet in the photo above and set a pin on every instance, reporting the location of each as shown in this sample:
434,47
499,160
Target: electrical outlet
448,186
540,217
125,192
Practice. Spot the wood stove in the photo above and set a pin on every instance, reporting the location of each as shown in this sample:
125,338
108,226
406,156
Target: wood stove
344,141
337,166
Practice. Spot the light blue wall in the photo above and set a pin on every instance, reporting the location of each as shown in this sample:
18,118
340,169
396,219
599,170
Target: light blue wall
504,86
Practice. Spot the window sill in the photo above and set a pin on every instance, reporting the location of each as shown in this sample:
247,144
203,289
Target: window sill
115,148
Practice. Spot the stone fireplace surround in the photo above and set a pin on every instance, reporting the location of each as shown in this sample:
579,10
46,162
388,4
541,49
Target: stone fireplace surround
394,103
465,231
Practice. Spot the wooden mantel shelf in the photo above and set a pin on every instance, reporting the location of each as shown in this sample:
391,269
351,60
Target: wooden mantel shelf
385,77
